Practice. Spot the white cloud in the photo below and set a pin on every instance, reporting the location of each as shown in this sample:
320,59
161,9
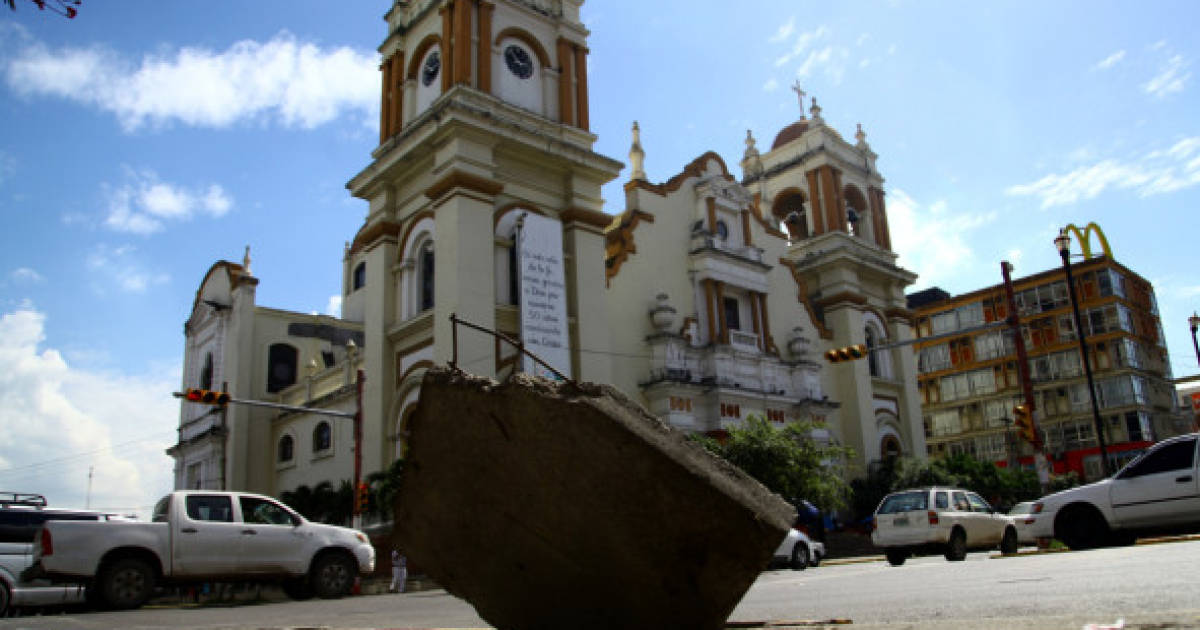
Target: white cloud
297,83
771,85
26,275
935,245
785,31
1156,173
1110,61
142,205
59,421
1170,78
803,42
334,307
120,268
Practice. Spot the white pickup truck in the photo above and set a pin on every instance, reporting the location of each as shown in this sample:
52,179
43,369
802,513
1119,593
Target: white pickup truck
1158,491
201,536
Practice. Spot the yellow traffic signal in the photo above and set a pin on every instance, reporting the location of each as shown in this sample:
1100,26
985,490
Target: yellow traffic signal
849,353
1023,420
206,396
361,498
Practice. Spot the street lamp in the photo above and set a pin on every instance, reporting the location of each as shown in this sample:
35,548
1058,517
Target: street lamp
1194,323
1063,243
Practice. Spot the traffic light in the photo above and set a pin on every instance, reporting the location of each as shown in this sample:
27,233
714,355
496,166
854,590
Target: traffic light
1023,420
361,498
206,396
849,353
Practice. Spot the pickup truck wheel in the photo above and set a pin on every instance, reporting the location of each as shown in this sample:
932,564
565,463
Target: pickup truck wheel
333,575
896,557
1008,546
5,599
126,583
800,557
956,549
298,589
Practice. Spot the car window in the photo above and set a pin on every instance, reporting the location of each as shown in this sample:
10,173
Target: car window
202,507
941,500
904,502
978,504
960,502
263,512
161,511
1174,456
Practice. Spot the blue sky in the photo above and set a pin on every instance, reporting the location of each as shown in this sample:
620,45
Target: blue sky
143,141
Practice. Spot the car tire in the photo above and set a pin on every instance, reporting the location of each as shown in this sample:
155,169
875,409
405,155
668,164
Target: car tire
956,549
1122,539
1081,527
816,561
298,589
800,557
333,575
5,598
896,557
1009,544
126,584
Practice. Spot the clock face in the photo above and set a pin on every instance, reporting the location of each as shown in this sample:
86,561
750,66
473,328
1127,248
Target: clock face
429,72
518,61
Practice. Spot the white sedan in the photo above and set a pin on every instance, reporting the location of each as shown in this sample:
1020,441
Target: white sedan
799,551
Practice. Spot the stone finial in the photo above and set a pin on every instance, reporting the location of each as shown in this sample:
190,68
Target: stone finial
751,150
800,94
637,157
246,261
815,110
861,136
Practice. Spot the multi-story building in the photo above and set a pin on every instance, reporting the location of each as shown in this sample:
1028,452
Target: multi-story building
969,382
707,298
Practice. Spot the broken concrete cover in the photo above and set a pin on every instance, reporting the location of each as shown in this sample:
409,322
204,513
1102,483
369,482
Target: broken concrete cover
556,505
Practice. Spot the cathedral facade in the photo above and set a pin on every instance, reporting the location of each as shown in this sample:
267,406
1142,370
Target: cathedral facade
708,297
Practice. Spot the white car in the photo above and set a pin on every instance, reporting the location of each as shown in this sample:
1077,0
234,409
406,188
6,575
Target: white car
799,551
1158,491
1024,519
939,519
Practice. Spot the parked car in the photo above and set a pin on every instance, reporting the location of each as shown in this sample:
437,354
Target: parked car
21,514
799,551
1024,519
951,521
200,536
1158,491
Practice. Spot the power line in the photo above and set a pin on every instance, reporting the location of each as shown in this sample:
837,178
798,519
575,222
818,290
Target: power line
27,468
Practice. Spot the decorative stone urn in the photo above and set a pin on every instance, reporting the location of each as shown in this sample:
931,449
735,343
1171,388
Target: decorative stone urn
797,343
663,314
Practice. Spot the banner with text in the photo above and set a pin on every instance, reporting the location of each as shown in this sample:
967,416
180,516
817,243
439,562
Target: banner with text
543,296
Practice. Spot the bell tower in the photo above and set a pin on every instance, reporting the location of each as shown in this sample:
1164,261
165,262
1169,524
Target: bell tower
483,134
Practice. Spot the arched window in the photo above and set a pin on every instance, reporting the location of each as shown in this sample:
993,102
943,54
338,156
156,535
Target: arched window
287,448
281,366
792,214
425,276
872,361
360,276
206,374
322,437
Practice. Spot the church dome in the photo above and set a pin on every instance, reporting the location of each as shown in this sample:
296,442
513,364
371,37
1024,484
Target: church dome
789,133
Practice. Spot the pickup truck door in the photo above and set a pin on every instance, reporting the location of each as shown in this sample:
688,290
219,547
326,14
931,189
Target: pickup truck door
1161,488
272,541
204,537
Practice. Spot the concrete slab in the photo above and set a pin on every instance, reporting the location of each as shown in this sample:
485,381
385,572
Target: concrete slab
550,505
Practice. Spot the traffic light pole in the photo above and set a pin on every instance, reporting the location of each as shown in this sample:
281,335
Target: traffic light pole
1014,321
358,421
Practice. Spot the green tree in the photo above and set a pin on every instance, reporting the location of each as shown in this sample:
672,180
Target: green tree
787,461
385,486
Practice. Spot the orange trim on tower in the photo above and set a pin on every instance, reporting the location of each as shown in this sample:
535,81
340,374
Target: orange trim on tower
839,199
828,200
462,43
581,87
746,228
720,286
397,88
385,101
485,46
566,110
754,317
447,45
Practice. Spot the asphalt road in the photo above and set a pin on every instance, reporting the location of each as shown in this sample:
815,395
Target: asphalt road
1146,586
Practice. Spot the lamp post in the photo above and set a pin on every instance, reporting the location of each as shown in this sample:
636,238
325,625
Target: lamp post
1063,243
1194,323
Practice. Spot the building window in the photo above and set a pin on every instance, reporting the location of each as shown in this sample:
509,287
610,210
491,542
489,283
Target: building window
872,361
206,374
794,217
281,367
733,320
425,273
722,230
360,276
322,437
286,448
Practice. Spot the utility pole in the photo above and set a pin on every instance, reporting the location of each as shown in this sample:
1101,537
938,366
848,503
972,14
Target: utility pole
358,421
87,504
1014,321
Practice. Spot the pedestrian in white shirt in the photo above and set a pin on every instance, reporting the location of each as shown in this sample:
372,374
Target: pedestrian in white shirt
399,572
